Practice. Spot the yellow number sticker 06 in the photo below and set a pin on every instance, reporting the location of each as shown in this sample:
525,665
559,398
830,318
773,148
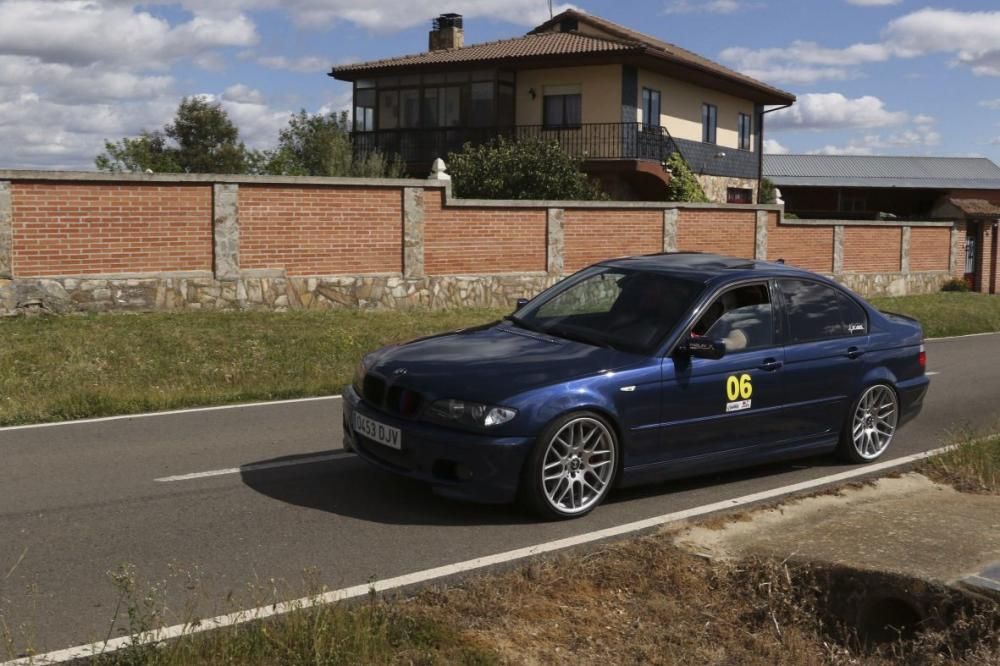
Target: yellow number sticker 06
739,387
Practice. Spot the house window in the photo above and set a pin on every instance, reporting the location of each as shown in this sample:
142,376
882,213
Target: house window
650,108
364,111
739,195
441,106
409,104
562,106
744,131
709,122
481,106
388,109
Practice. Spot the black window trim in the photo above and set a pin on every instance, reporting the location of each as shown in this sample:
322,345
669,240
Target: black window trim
709,123
786,340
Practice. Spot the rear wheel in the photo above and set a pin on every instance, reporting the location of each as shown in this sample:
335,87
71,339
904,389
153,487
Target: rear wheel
871,424
572,467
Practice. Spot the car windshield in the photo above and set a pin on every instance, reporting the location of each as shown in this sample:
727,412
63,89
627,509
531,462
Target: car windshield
613,307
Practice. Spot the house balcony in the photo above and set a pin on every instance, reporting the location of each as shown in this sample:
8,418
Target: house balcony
588,142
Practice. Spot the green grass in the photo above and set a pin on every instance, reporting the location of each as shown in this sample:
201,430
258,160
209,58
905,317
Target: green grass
972,466
55,368
946,314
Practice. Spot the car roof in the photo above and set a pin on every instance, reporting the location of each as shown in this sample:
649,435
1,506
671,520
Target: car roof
702,266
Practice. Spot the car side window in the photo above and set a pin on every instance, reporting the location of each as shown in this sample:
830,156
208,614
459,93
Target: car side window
820,312
742,318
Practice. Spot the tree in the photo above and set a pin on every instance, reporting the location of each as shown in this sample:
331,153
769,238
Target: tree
504,169
766,192
201,139
320,145
683,185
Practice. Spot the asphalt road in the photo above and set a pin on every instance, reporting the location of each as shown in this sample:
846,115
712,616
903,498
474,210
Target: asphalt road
77,501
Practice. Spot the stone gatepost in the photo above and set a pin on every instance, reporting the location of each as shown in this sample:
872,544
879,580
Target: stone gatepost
6,232
904,251
556,247
413,232
760,237
226,228
670,216
957,252
838,249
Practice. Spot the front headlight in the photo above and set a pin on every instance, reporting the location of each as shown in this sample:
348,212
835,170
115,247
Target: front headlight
464,413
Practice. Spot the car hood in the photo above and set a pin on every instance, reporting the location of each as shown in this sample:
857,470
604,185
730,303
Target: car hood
490,363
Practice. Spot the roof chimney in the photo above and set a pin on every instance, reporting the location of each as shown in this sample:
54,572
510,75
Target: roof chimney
446,33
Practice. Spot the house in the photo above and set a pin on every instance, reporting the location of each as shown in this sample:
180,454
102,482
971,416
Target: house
868,187
620,100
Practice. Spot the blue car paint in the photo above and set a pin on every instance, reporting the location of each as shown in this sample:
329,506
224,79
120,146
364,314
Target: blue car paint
665,408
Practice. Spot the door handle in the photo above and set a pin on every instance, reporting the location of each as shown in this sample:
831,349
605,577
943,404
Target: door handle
770,364
855,352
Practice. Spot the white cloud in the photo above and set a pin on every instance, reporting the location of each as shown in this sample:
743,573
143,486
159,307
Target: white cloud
825,111
873,3
242,94
990,103
773,147
710,7
972,37
915,139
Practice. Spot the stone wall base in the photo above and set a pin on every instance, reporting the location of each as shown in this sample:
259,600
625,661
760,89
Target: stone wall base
139,294
716,187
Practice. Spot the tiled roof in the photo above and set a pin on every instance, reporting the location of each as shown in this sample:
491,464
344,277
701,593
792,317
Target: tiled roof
529,46
882,171
976,207
545,41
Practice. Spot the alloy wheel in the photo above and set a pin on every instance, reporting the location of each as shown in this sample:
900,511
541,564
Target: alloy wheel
874,422
578,465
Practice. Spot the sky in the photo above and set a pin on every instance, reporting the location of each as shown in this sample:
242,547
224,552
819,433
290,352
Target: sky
872,76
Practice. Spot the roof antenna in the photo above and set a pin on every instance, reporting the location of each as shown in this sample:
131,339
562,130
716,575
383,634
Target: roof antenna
550,9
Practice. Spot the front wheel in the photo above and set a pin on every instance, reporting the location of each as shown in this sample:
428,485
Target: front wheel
572,466
871,424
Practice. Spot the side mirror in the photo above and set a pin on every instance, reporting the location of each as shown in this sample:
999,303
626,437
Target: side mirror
699,347
521,302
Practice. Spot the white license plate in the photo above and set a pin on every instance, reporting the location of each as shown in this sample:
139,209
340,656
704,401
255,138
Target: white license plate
378,432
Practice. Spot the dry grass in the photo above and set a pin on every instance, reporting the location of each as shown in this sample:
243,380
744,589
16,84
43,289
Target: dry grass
973,466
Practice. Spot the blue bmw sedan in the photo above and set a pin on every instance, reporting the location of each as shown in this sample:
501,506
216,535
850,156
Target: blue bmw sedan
635,370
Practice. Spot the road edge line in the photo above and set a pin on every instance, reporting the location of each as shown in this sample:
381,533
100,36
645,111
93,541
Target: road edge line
91,650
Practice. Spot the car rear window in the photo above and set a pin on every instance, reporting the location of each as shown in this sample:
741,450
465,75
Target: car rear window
820,312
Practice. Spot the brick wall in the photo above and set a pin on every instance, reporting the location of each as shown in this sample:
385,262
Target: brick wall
321,231
482,240
806,247
929,248
97,228
593,235
872,249
724,232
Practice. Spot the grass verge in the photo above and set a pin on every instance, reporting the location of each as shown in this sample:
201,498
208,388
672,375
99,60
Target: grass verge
56,368
971,466
638,601
947,313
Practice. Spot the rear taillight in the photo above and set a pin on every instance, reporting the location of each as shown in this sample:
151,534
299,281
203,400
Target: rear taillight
922,358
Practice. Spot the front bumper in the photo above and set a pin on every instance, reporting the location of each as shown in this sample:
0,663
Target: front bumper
457,464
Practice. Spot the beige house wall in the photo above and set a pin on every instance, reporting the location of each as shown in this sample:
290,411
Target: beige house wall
600,89
680,109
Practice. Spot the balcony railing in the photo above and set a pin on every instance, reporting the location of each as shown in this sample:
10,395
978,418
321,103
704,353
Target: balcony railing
590,141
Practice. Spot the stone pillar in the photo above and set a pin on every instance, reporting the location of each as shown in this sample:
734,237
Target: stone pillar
904,251
760,239
670,216
226,227
555,252
6,232
984,281
838,249
413,232
956,258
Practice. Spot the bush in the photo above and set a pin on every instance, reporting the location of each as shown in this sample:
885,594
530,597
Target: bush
766,193
683,184
955,284
504,169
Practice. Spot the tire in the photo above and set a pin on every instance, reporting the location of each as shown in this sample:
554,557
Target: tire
572,467
871,424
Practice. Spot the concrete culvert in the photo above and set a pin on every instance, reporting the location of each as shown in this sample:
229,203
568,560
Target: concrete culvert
886,619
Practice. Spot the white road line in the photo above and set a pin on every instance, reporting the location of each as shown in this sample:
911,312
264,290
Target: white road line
241,617
255,467
932,373
172,412
958,337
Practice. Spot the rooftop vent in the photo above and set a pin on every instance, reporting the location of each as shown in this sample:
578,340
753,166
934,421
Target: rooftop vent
446,33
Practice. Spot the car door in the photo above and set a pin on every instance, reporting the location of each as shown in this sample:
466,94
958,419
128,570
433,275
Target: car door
722,407
826,341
